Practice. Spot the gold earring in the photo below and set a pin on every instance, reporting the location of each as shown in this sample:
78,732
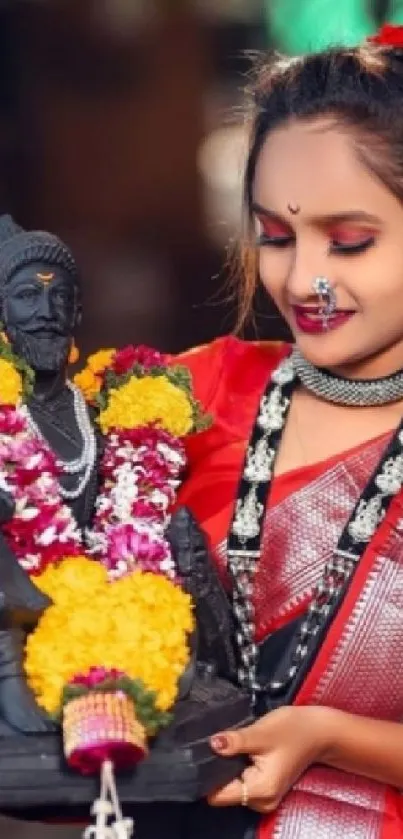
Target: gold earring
74,353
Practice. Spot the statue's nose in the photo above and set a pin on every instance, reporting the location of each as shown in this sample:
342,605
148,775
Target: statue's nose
44,309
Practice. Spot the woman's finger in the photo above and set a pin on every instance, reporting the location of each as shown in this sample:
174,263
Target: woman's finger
249,740
227,796
253,786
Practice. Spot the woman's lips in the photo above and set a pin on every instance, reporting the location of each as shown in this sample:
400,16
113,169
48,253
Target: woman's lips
311,321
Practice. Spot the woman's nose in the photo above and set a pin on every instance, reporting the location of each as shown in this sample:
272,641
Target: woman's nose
304,270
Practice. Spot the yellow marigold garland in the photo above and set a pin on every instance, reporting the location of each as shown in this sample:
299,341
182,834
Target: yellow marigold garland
139,624
71,582
146,401
90,379
11,385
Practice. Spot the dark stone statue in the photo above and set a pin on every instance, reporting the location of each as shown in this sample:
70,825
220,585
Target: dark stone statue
40,309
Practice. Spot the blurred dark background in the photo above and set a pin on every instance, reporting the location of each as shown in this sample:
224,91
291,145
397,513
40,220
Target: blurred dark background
120,130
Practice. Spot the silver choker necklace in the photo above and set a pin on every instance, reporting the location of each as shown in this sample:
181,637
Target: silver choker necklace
348,392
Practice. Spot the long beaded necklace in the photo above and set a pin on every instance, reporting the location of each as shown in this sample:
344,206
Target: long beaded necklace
84,463
245,535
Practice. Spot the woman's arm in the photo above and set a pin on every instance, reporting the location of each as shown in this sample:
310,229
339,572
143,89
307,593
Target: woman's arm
373,748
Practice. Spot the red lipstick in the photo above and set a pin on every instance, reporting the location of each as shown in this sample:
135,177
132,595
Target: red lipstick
309,319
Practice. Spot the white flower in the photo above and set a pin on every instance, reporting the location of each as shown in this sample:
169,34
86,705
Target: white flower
96,542
4,485
70,533
47,536
34,461
30,562
160,499
173,457
29,513
103,504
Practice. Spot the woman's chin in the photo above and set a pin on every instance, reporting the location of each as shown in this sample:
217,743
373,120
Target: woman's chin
326,351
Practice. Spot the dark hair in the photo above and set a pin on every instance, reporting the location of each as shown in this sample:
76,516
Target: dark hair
360,88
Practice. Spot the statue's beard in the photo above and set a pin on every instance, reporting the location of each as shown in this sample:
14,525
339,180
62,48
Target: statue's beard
45,354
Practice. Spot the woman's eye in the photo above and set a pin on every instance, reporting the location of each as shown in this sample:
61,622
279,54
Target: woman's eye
272,232
351,241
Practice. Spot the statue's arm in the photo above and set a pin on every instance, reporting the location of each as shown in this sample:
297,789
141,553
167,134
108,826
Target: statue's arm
21,603
17,592
214,620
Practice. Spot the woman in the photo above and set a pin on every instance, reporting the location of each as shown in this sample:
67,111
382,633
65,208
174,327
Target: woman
299,481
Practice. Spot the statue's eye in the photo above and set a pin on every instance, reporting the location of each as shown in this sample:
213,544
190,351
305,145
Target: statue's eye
29,293
62,295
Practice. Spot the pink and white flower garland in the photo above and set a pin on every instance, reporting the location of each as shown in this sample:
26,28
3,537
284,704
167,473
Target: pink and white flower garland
140,471
42,529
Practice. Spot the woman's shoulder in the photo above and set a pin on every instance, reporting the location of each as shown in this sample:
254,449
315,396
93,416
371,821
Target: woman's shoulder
230,361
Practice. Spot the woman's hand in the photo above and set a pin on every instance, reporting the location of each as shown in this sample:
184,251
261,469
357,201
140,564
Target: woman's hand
281,746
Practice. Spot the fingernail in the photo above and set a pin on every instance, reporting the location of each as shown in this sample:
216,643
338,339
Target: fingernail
219,742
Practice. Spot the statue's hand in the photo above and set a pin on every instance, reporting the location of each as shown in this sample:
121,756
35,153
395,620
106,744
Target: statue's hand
215,630
7,506
190,548
18,707
18,593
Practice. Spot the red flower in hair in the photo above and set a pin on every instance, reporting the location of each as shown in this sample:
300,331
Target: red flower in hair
388,36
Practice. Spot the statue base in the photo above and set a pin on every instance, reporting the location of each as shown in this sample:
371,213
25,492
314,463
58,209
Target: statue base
180,767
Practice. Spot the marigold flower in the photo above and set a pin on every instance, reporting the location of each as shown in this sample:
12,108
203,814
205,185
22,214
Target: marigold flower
146,401
139,624
89,383
10,383
99,361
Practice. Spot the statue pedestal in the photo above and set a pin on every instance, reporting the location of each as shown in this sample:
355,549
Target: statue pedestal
181,767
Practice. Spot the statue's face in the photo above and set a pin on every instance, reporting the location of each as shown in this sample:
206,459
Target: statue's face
39,315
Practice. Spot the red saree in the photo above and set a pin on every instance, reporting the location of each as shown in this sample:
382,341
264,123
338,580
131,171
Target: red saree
359,666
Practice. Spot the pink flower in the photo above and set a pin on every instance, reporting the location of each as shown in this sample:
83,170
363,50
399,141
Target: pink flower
96,676
144,509
130,356
148,436
11,421
140,549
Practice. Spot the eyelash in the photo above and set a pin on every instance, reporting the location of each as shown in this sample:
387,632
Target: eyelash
342,250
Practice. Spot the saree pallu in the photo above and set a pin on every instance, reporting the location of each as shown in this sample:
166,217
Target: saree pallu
358,669
359,666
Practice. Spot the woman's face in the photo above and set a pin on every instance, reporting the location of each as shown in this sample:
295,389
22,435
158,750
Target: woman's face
320,212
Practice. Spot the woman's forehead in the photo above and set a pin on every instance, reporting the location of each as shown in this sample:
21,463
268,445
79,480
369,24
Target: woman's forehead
315,166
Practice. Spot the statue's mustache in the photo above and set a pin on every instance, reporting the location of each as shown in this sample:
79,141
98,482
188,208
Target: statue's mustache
46,328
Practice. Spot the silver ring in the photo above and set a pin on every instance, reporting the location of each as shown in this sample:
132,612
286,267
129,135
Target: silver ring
244,792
